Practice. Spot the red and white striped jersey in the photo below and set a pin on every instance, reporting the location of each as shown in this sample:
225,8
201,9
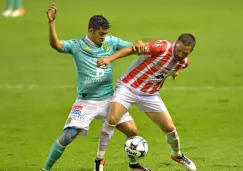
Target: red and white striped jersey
148,72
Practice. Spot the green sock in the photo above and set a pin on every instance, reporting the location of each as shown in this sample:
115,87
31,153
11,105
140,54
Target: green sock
18,4
132,160
10,4
56,151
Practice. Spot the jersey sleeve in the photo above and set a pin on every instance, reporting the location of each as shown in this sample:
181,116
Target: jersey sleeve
155,47
119,43
69,46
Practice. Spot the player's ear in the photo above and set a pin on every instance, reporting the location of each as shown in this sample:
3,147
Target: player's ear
91,30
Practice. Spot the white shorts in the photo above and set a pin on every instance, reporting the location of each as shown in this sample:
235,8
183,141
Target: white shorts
146,103
84,111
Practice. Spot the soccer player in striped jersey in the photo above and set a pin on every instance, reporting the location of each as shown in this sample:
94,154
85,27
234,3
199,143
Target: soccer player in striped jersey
142,81
94,87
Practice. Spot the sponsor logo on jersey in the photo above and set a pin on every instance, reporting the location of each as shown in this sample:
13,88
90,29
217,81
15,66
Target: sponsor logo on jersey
74,41
76,110
157,44
157,78
84,95
89,80
106,47
87,48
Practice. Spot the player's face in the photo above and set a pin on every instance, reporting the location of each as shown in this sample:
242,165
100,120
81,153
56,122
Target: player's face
182,51
98,36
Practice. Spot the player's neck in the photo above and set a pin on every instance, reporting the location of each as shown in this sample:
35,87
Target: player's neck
89,39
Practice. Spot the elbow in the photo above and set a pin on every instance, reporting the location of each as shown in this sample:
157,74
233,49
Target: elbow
55,46
52,45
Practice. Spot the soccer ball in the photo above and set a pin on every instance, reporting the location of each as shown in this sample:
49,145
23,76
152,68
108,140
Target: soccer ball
136,146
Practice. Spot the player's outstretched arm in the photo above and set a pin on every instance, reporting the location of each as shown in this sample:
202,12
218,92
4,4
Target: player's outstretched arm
136,48
105,62
122,53
53,39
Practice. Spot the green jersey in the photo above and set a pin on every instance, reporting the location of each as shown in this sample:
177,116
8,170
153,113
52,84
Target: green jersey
93,83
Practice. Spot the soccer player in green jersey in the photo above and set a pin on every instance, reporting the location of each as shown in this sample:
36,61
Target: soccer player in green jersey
11,5
94,88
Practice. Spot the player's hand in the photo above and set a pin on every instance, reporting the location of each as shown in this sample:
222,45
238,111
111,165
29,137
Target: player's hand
103,63
139,47
52,13
175,75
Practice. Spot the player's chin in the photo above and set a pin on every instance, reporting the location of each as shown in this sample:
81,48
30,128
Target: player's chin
178,58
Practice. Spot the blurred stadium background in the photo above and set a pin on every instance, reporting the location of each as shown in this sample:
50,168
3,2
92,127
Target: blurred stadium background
37,85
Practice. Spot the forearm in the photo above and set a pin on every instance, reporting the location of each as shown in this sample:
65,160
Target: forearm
122,53
53,39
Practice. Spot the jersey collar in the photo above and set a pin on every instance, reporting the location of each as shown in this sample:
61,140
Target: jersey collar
90,42
173,51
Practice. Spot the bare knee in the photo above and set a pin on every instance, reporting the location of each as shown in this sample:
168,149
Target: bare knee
112,120
169,127
116,111
167,124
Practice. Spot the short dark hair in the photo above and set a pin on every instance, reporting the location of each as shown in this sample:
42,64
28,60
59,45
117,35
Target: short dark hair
98,21
187,39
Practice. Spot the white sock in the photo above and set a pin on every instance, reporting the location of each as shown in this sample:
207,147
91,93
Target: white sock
106,133
100,154
174,142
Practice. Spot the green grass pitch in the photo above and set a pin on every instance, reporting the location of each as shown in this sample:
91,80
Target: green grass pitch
37,84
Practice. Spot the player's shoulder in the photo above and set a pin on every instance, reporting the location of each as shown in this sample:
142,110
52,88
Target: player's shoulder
158,46
73,41
79,42
160,42
110,38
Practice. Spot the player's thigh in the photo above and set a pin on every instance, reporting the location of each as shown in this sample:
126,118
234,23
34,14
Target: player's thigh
121,102
156,110
112,113
127,125
163,120
116,111
128,128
